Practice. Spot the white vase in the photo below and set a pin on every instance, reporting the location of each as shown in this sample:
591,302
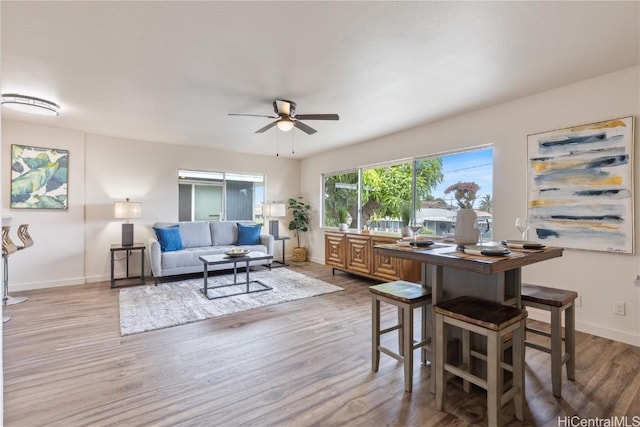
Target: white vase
466,232
343,227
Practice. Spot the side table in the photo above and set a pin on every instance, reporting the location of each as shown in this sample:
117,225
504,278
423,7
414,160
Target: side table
128,249
282,263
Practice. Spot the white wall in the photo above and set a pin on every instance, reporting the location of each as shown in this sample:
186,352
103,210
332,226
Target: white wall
57,257
72,247
599,277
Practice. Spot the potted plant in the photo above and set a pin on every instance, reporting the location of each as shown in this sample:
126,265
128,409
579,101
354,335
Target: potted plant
299,223
342,218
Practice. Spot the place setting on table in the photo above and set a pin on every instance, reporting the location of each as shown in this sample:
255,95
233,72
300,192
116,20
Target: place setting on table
481,251
503,248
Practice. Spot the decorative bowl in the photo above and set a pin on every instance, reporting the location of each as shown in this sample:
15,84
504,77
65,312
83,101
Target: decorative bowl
233,253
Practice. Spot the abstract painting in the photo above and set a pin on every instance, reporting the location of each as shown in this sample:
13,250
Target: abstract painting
581,186
39,177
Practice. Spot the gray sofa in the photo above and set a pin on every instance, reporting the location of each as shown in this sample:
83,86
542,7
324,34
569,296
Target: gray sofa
200,238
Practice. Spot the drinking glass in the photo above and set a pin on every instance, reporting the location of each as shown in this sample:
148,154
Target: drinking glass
522,224
482,226
415,227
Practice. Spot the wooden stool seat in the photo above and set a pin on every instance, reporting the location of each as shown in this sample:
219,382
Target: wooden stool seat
495,322
484,314
406,296
548,296
556,301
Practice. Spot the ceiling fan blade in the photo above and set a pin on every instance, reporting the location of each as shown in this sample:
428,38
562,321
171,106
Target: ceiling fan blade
307,129
252,115
267,127
317,117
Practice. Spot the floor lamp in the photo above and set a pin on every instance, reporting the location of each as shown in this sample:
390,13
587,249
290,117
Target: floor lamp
127,210
275,210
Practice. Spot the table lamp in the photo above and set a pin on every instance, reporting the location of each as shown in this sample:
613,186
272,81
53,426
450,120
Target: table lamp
127,210
274,210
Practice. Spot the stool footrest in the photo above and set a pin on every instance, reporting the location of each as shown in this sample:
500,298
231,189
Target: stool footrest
391,353
537,346
509,394
466,376
482,356
390,329
423,344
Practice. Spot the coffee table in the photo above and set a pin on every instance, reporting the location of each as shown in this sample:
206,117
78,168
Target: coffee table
208,260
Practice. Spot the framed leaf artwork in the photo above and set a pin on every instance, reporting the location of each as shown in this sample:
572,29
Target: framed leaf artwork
39,177
581,186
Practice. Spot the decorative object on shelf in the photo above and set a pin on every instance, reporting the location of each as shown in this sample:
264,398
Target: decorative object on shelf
466,232
275,210
343,213
580,186
39,177
127,210
298,224
30,104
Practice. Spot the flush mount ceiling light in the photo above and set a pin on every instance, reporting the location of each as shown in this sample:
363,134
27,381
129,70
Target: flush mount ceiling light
30,104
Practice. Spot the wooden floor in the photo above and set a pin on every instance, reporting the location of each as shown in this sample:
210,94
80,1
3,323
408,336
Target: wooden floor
300,363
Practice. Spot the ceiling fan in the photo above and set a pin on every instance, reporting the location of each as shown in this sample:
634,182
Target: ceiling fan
287,118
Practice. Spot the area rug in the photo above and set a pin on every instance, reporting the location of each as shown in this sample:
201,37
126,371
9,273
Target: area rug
148,308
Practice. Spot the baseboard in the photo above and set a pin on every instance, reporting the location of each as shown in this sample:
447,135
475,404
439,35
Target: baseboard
43,285
590,328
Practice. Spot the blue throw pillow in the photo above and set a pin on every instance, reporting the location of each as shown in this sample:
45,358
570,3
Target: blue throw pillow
249,234
169,238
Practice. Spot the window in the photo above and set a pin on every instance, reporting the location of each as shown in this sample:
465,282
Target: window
341,190
376,197
219,196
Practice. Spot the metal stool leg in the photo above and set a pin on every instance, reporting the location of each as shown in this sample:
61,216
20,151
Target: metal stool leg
6,298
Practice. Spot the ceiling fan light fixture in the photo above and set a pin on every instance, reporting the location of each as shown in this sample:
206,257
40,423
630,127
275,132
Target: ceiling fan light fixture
29,104
285,125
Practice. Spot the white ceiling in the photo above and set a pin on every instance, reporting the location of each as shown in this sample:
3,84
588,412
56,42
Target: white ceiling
171,71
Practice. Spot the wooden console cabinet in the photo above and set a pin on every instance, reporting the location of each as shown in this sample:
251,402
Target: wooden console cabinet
353,252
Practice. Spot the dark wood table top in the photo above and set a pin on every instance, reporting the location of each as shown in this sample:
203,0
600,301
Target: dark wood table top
446,255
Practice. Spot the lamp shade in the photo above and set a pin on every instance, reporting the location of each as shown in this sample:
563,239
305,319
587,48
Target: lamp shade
275,210
127,210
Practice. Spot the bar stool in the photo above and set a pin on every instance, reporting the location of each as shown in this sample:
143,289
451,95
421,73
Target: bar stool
406,296
556,301
24,236
9,248
494,321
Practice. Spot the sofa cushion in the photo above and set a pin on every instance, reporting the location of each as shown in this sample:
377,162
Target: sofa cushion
195,234
224,233
249,234
169,238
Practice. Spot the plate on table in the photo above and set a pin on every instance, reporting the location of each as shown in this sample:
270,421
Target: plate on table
236,253
486,250
421,243
523,244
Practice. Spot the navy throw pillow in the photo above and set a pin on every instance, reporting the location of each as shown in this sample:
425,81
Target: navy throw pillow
169,238
249,234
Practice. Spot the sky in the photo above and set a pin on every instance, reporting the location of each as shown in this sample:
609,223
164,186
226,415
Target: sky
471,166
